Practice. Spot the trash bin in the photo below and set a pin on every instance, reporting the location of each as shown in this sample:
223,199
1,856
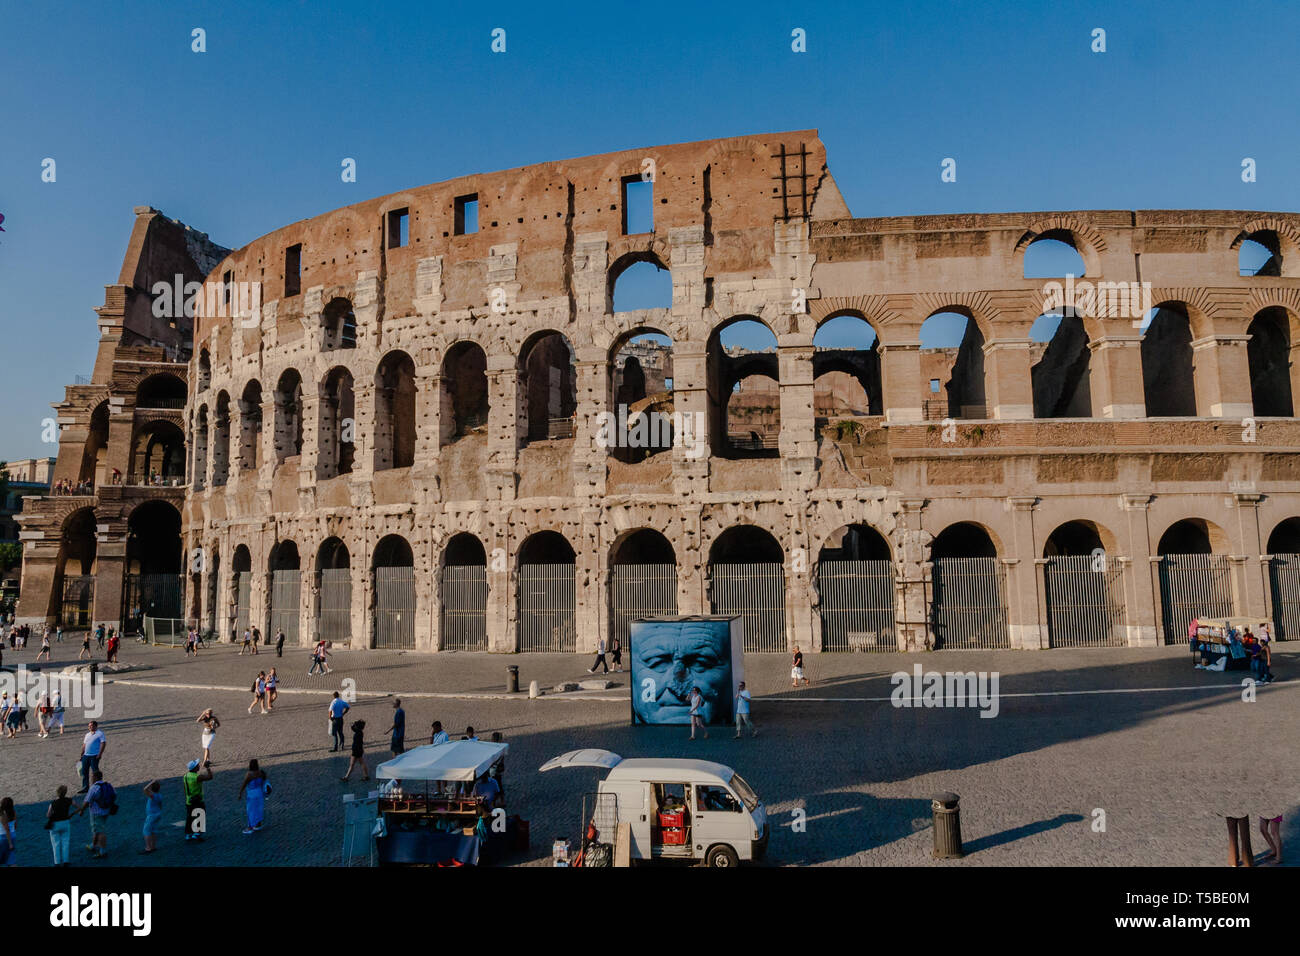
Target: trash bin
947,826
512,678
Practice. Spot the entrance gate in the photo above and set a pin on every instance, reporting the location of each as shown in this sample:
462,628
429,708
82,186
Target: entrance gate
1083,601
395,608
546,605
856,602
78,600
334,620
1284,579
640,590
286,592
243,599
464,607
970,605
155,595
755,592
1193,585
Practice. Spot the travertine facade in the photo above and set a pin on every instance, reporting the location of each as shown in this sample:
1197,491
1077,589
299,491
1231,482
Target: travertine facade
403,380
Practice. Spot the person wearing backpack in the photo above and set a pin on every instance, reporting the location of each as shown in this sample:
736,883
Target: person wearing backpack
101,801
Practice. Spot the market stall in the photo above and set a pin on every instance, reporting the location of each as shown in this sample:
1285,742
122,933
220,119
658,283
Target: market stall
1225,643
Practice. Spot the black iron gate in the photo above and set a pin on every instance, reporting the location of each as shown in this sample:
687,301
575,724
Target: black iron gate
546,607
243,600
77,604
464,607
1193,585
970,605
756,592
152,595
395,608
334,614
1284,581
286,597
856,603
640,590
1084,601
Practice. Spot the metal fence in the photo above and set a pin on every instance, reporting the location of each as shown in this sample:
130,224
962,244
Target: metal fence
640,590
464,607
78,601
154,595
395,608
969,609
1193,585
1284,580
286,595
1084,601
243,600
546,603
856,602
334,616
756,592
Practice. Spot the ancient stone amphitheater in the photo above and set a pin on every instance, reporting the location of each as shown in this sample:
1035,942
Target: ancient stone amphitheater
438,432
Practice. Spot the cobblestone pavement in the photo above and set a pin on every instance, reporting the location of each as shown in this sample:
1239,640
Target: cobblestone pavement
1161,747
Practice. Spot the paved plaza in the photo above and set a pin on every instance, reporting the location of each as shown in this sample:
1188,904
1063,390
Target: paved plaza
1161,747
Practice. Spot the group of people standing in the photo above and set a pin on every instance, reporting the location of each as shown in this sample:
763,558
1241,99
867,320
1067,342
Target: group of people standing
49,713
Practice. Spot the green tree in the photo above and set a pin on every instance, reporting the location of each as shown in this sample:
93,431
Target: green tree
11,554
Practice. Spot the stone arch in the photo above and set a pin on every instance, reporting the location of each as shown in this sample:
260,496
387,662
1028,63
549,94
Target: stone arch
965,539
158,453
154,561
336,424
743,423
1168,363
1053,255
747,578
1279,236
338,325
205,371
1285,537
1077,537
1269,359
641,394
161,390
199,473
250,426
1061,378
465,397
221,440
1193,535
846,377
288,415
94,455
395,409
959,371
1089,242
548,387
636,261
72,596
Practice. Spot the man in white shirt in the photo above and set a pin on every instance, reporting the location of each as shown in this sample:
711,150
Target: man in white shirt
93,746
697,719
439,735
742,712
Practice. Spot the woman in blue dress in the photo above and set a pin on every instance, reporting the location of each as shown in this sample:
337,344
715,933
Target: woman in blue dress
254,790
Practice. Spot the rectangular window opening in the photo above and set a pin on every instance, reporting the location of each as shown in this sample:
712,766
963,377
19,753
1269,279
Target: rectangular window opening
934,385
638,205
293,270
227,281
398,228
467,215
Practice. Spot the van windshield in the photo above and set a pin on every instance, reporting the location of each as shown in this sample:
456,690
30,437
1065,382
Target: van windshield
745,791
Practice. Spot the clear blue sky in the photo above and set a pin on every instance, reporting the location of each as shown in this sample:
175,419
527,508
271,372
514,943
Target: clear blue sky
249,136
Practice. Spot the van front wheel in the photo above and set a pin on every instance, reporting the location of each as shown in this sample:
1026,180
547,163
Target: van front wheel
721,856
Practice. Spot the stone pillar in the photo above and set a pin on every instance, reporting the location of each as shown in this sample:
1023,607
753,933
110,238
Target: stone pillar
110,579
590,594
798,439
1141,616
268,435
691,451
38,600
900,372
503,426
1249,578
502,612
1008,381
799,609
692,564
1222,377
911,572
362,592
1024,625
589,457
1116,377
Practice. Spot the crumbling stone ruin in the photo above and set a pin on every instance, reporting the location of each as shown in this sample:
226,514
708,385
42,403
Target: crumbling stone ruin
434,431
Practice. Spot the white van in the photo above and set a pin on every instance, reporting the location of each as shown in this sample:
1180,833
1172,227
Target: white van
679,809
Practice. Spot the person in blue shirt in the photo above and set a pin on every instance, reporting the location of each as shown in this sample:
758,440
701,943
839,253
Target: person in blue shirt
398,730
338,708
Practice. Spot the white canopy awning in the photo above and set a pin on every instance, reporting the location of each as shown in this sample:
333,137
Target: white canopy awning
457,760
583,758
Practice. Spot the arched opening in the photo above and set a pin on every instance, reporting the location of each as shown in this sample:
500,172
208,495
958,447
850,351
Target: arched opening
158,455
465,402
464,594
1195,576
241,586
94,456
641,396
154,564
744,390
1083,588
1260,254
337,425
548,387
288,416
160,391
395,412
334,591
640,281
199,476
250,427
221,441
855,591
205,371
394,593
969,608
547,591
1168,381
286,592
1284,578
952,362
1061,375
211,568
74,586
1269,356
642,580
747,576
846,369
339,325
1053,255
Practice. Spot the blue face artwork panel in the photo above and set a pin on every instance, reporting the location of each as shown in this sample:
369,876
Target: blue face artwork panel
669,657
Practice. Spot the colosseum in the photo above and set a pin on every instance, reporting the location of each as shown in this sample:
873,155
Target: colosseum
433,429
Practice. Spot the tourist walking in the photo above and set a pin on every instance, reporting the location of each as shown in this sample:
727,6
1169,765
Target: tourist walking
259,692
398,731
210,724
58,820
337,708
45,647
56,713
101,801
93,746
257,639
796,669
616,653
358,751
189,642
317,659
697,719
195,808
99,636
279,643
248,641
43,711
7,817
600,658
743,700
17,714
272,689
58,634
85,647
254,790
152,815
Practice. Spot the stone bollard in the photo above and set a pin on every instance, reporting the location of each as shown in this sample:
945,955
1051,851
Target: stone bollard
534,691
